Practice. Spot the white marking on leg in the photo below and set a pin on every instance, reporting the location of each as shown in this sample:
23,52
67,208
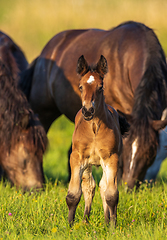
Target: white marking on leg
164,114
91,79
107,172
134,149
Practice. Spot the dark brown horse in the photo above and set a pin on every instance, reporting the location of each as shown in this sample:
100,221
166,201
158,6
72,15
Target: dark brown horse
96,141
11,54
22,138
136,84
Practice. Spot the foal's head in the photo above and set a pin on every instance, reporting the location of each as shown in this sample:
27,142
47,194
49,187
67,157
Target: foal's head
91,85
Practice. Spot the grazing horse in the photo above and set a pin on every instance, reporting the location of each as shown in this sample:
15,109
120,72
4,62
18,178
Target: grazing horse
22,138
136,85
11,54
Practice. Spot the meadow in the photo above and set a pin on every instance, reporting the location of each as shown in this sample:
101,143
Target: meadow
141,214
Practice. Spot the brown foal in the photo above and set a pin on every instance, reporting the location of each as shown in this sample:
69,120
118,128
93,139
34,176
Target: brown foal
96,141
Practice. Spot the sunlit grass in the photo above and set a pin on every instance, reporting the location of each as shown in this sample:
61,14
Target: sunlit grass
141,215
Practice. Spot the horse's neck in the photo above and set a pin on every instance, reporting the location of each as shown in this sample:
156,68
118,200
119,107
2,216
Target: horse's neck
99,117
101,110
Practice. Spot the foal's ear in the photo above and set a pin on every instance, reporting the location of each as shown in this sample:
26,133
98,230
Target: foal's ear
82,66
102,67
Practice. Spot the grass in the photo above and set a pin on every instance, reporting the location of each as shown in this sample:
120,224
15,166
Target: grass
141,214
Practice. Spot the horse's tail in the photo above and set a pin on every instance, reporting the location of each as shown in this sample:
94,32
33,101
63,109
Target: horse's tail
25,80
154,79
151,94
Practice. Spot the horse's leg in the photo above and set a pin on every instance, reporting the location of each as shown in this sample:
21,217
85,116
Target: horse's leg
111,194
120,171
69,168
103,186
88,189
74,190
47,117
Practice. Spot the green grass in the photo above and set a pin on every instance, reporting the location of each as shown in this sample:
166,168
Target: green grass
141,214
56,158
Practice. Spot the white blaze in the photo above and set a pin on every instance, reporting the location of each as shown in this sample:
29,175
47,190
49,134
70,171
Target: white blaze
134,149
91,79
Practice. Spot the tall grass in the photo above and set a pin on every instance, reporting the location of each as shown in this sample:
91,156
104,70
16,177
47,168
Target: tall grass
141,214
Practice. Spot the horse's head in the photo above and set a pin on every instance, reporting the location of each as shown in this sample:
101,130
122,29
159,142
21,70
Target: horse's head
22,138
23,163
91,85
139,151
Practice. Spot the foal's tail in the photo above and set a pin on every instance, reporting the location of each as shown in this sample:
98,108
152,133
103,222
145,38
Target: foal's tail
25,80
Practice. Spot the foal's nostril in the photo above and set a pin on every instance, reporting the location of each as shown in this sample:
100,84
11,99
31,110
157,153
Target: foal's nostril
88,113
84,110
91,110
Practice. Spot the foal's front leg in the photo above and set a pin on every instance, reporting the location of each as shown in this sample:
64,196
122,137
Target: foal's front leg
110,193
74,190
103,187
88,189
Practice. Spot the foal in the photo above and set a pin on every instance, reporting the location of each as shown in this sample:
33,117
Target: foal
96,141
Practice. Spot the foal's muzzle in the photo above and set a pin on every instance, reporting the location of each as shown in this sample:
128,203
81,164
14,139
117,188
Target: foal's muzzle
88,113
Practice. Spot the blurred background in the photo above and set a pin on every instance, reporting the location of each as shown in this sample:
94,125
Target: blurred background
32,23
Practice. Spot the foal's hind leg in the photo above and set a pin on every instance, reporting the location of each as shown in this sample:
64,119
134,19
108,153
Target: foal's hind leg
88,188
74,190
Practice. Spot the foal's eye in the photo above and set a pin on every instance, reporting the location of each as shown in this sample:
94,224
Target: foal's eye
80,88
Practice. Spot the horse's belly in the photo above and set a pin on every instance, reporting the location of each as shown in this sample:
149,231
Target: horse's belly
94,160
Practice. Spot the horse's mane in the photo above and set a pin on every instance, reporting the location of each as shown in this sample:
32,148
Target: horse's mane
151,94
130,24
12,55
14,107
7,57
25,80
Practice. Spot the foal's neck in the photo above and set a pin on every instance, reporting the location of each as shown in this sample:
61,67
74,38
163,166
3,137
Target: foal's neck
99,117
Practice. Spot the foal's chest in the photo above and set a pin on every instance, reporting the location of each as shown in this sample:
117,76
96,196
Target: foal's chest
97,147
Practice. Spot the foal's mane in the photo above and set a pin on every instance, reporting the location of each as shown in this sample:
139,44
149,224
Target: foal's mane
14,108
151,94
